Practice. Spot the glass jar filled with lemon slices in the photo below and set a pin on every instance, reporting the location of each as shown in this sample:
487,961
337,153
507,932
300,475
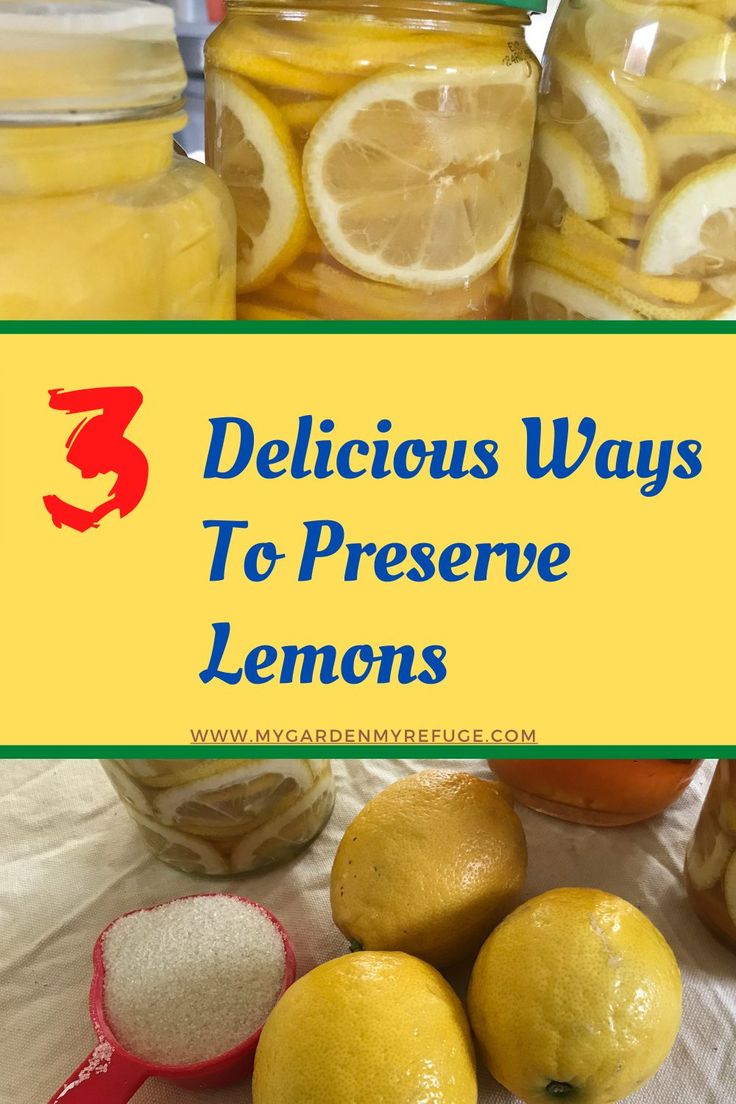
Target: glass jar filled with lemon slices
377,153
225,816
631,207
710,865
98,218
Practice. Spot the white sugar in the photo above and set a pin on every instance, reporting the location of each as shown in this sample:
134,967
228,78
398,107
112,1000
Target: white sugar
191,979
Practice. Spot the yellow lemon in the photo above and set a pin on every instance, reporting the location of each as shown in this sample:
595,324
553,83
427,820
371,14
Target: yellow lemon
366,1029
250,147
575,995
429,866
606,124
416,177
544,294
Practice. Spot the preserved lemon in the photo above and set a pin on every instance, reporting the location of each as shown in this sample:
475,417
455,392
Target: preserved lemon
634,150
98,218
377,155
225,816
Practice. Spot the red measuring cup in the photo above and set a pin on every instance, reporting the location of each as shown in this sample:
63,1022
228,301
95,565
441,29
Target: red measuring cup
111,1073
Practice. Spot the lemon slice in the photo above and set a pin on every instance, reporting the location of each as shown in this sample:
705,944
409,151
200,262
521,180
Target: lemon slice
686,145
544,294
250,146
304,113
613,279
160,773
659,98
309,46
617,32
606,124
505,267
262,312
708,63
623,225
596,250
417,177
561,164
720,9
345,296
232,803
707,856
278,838
729,888
693,229
195,856
228,48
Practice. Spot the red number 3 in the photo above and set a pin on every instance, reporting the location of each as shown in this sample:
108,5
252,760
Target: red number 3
98,446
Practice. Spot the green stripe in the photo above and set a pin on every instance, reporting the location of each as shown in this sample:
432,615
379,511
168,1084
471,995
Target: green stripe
365,751
701,327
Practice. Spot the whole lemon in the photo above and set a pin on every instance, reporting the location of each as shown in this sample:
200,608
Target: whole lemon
429,866
368,1028
575,994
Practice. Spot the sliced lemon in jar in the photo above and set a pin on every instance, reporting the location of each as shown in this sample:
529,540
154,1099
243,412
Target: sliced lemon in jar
505,267
544,294
195,856
729,888
304,113
720,9
232,803
623,225
686,145
635,35
693,229
160,773
660,98
708,63
613,279
345,296
250,147
561,166
597,250
281,835
417,177
606,124
307,46
229,49
708,855
263,312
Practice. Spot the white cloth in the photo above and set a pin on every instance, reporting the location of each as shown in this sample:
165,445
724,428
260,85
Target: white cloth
72,860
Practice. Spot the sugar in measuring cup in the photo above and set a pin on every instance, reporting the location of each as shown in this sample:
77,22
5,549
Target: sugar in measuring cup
180,991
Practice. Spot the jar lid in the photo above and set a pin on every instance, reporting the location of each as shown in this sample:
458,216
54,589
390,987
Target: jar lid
87,58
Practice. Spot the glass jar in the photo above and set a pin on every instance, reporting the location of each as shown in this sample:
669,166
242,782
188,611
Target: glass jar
710,864
98,218
377,152
225,816
631,206
604,792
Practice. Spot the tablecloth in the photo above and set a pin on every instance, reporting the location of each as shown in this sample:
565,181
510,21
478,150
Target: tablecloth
71,860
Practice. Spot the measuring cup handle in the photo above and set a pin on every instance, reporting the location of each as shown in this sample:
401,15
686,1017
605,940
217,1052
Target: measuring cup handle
104,1075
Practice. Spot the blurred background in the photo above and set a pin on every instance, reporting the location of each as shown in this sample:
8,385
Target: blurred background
195,20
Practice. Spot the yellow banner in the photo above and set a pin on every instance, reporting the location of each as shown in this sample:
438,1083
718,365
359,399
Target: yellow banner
410,539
